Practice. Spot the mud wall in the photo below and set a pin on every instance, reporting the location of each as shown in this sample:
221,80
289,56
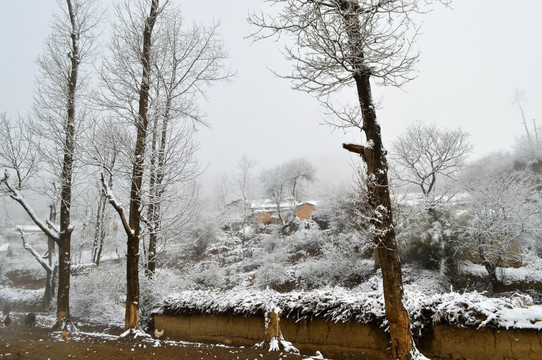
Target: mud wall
447,342
352,340
229,330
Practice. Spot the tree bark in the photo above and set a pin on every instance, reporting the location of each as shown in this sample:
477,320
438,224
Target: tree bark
131,319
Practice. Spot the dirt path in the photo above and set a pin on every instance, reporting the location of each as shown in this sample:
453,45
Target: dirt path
42,344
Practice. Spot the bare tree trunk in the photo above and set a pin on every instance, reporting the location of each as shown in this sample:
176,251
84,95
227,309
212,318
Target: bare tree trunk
490,266
51,250
157,191
64,243
379,200
131,319
382,220
99,231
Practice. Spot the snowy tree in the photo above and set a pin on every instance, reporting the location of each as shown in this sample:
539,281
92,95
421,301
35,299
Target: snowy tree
19,153
425,153
59,114
245,183
104,153
342,43
426,156
161,109
287,182
504,213
129,96
188,60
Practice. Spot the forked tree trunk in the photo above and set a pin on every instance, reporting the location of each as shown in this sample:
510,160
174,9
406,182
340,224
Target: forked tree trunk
131,319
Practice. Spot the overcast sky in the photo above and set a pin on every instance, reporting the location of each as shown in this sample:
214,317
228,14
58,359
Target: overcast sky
473,57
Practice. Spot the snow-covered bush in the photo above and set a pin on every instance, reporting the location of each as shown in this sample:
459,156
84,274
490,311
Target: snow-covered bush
345,212
272,267
333,269
426,235
201,237
21,299
98,294
271,242
154,290
308,242
504,213
208,275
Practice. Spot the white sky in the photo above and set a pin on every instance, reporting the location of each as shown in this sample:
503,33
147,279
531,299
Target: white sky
472,59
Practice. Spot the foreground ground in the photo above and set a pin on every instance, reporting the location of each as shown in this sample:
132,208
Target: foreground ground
16,342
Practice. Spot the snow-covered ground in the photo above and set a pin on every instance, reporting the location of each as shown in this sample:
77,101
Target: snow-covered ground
529,273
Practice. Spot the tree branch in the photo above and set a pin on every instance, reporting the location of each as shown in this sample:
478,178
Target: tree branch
15,195
34,253
116,205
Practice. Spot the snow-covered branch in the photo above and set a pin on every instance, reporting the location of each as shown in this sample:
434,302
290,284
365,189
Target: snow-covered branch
34,253
50,231
116,205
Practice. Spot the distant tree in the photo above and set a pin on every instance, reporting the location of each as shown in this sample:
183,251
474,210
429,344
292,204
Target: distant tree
244,182
347,211
528,148
60,110
189,60
425,153
104,148
235,193
19,153
343,43
174,64
422,157
504,213
286,182
532,141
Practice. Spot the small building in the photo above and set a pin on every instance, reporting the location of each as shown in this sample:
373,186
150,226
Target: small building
265,212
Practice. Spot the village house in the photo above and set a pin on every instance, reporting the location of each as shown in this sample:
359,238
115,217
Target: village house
265,211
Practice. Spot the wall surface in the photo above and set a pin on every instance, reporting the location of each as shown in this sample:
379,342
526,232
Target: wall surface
352,340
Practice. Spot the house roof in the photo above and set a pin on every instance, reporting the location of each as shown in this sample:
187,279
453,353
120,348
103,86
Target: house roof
270,205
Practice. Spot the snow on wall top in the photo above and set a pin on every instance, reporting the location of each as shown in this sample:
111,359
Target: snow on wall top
340,305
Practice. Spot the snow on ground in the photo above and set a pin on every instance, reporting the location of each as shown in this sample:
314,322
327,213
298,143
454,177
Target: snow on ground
21,297
530,273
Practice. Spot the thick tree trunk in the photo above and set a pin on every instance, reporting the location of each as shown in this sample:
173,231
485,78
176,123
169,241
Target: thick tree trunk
132,263
374,157
380,204
64,243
